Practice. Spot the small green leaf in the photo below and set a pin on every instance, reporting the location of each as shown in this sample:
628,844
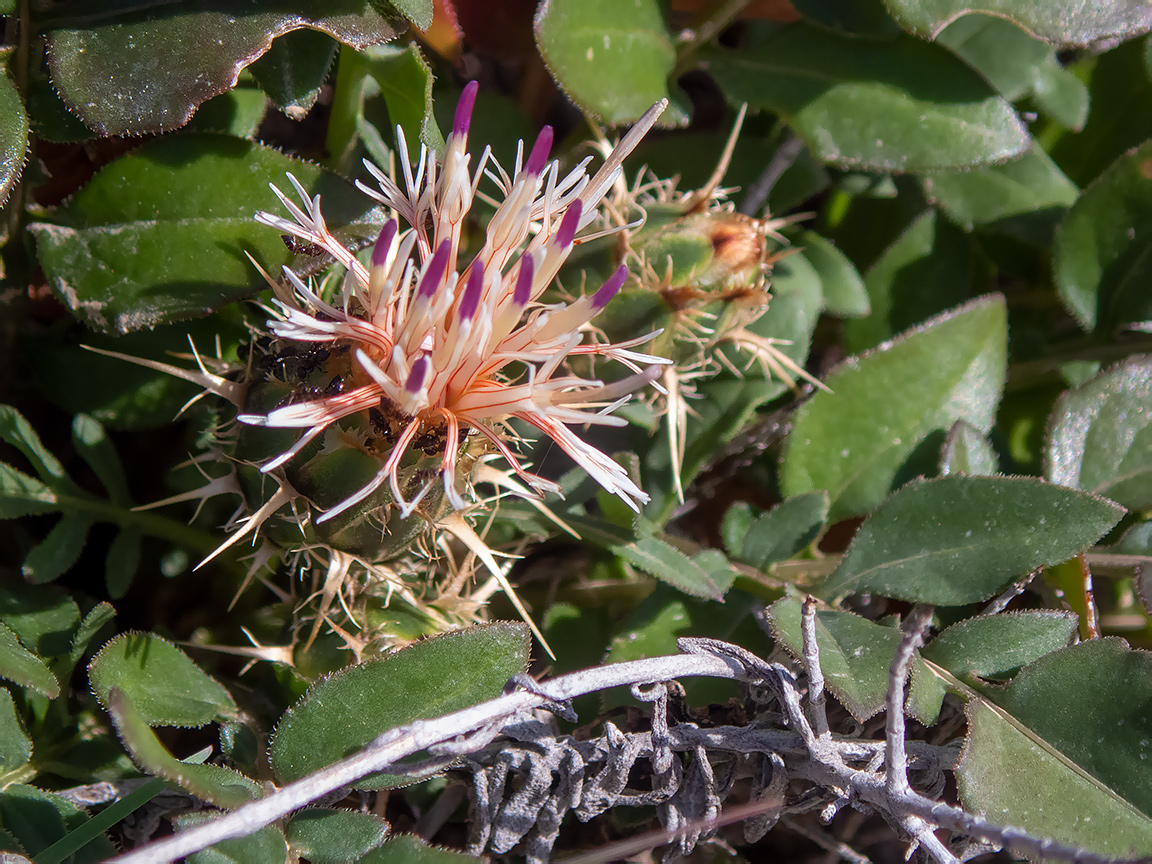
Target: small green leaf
1061,95
57,552
94,447
15,745
39,819
1102,262
931,251
236,112
135,71
840,283
734,527
294,69
13,136
419,12
994,645
667,563
19,664
1100,435
15,430
1063,22
855,656
266,846
343,713
785,530
21,495
884,105
957,539
997,49
884,405
122,562
213,783
45,619
410,849
160,234
101,614
405,81
164,686
967,451
334,836
1025,197
612,59
1064,750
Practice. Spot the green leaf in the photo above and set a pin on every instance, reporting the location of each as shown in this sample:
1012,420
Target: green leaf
266,846
92,444
419,12
667,563
1099,435
57,552
1025,197
15,430
734,527
19,664
1062,22
101,614
15,745
785,530
1102,262
994,645
45,619
612,59
859,17
1059,94
334,836
840,283
164,686
122,562
405,81
999,50
294,69
967,451
39,819
930,252
94,828
892,105
237,112
129,72
855,656
13,136
160,234
213,783
957,540
1063,752
21,495
343,713
885,405
410,849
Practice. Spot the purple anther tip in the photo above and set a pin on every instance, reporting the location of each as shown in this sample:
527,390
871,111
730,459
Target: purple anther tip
608,290
383,243
464,109
470,299
416,376
523,290
569,223
434,275
538,158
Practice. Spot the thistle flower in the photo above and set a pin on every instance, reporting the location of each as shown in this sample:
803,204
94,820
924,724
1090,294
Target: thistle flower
425,354
442,350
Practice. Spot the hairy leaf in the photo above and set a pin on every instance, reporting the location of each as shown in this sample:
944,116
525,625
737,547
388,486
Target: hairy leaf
957,540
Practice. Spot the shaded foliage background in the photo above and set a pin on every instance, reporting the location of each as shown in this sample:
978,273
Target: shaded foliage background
970,276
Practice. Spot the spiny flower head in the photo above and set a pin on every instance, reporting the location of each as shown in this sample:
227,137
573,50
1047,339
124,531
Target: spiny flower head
442,347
